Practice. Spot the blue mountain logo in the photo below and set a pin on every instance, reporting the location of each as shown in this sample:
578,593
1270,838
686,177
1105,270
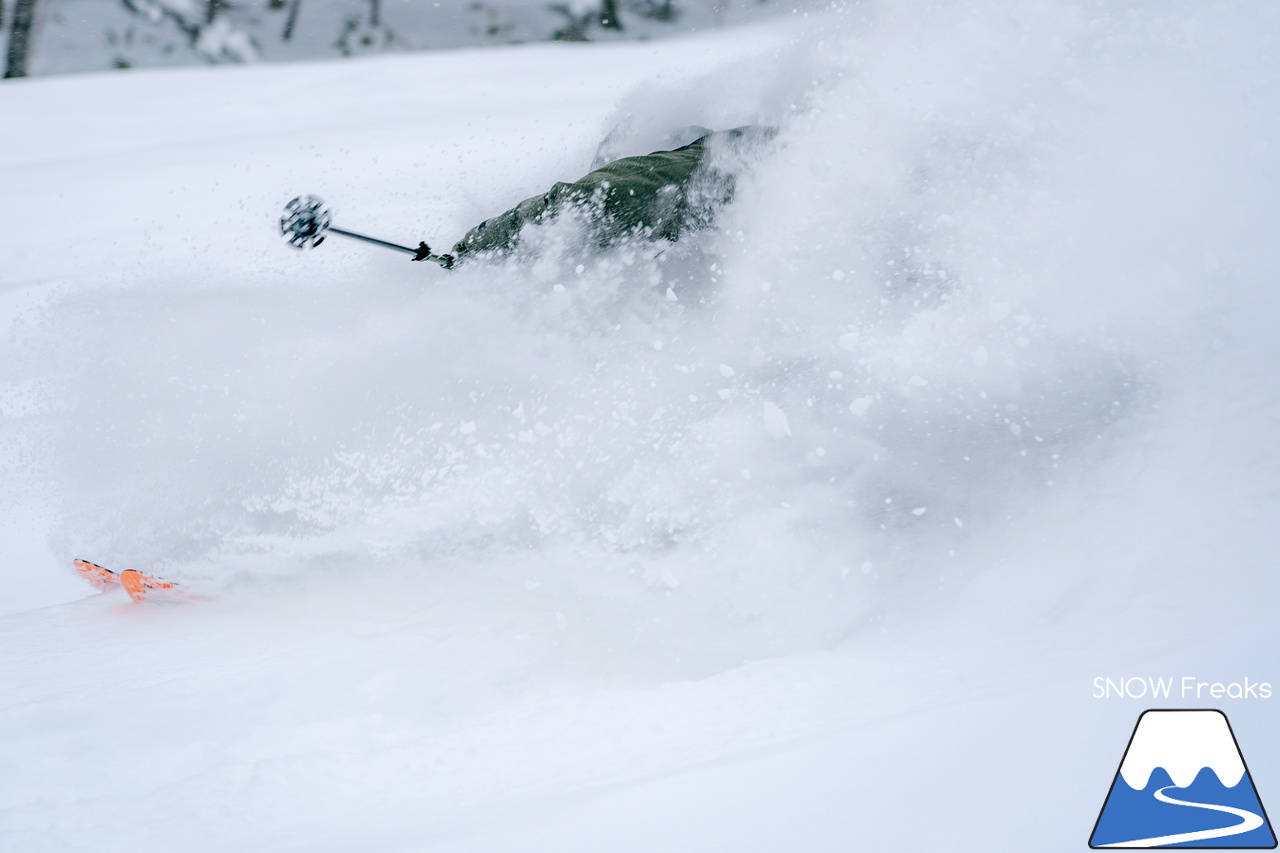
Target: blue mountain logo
1183,783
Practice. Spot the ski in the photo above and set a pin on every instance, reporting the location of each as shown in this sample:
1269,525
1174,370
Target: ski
139,587
101,578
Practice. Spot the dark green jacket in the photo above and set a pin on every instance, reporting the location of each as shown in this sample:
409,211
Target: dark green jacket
658,196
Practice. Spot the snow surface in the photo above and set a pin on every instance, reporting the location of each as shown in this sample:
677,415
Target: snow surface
506,559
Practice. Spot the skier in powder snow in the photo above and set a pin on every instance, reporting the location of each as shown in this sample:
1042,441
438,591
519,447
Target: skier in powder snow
658,197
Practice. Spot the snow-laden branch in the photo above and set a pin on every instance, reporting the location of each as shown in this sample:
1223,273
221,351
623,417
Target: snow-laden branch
213,36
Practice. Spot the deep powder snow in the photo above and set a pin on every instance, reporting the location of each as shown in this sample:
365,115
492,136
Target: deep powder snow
976,367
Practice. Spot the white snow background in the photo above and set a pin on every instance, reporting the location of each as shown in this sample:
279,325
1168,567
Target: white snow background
818,548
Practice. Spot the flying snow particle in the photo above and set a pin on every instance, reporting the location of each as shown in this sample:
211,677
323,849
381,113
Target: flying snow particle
775,421
859,406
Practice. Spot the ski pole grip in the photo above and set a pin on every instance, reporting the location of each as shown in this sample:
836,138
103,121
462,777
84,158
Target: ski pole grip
423,253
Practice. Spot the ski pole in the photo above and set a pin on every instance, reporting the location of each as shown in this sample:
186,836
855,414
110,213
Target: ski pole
306,221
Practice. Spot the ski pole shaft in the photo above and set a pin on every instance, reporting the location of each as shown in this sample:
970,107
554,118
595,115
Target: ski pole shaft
374,240
422,253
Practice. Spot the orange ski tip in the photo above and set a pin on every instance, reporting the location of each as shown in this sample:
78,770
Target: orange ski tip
139,586
100,577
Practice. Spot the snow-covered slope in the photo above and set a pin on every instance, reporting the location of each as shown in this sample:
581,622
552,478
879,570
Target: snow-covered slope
968,400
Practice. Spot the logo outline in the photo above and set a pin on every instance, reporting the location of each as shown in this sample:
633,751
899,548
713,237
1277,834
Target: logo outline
1247,775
